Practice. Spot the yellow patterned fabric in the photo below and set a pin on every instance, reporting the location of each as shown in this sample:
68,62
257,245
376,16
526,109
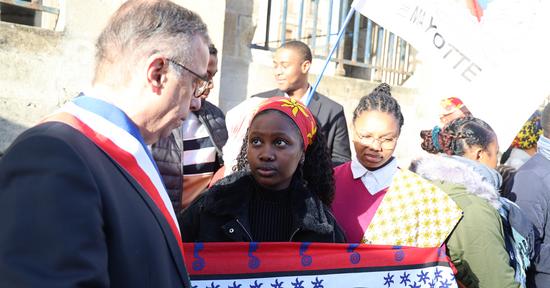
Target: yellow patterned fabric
414,212
530,132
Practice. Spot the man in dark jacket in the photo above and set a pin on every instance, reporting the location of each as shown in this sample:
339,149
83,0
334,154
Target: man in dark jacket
532,191
203,135
291,67
81,202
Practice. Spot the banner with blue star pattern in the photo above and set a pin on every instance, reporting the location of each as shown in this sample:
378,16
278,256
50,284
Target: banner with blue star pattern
316,265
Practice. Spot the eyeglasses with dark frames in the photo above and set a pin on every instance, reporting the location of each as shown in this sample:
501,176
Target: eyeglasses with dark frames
205,81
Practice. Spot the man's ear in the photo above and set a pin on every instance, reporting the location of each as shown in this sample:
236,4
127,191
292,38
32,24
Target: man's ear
157,67
305,66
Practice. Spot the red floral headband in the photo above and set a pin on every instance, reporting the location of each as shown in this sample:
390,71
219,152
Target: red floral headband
452,104
296,111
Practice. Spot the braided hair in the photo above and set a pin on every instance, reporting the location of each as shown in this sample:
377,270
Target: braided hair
457,136
380,99
316,170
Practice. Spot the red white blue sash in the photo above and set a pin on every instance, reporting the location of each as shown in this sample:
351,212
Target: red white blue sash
112,131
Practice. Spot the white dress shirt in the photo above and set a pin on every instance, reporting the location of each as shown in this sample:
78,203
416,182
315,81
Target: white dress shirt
304,97
375,181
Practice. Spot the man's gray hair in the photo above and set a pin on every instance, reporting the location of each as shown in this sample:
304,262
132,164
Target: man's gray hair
140,28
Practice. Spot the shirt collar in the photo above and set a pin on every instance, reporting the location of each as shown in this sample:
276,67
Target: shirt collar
382,176
304,97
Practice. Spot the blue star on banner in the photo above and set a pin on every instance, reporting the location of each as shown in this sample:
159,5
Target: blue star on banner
256,284
297,284
405,278
277,284
445,284
437,274
235,285
423,277
212,285
388,280
317,283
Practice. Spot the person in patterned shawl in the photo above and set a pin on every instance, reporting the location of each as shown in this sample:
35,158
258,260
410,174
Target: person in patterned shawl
376,201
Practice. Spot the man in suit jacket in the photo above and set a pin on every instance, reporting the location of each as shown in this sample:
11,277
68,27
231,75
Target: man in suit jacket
532,191
81,201
291,67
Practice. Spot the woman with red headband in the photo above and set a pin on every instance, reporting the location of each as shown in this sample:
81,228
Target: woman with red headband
282,188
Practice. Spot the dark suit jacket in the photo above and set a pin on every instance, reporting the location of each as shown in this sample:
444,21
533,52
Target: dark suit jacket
332,120
71,217
532,190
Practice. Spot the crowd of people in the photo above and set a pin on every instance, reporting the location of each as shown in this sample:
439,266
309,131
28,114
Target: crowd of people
104,191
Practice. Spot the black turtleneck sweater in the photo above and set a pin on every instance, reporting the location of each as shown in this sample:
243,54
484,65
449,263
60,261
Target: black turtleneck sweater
270,215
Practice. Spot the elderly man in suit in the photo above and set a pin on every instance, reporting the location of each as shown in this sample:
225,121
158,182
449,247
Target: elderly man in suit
291,64
81,201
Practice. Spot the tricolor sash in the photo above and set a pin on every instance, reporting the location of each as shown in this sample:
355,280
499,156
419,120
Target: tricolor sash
114,133
316,265
414,212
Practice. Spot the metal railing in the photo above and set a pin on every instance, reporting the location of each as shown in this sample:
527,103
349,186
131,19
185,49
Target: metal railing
367,51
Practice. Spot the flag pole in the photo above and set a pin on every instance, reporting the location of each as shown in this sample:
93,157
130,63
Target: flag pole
342,29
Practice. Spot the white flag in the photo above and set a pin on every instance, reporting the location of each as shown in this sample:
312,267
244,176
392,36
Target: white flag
492,53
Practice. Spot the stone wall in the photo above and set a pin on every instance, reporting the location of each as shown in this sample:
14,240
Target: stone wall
42,69
239,28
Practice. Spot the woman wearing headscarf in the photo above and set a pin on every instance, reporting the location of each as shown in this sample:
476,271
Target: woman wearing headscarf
525,143
281,190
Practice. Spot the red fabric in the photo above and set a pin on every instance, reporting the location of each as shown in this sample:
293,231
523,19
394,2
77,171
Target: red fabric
212,258
450,105
297,112
353,205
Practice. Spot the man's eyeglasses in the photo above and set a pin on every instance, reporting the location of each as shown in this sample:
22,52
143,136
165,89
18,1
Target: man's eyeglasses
203,84
384,142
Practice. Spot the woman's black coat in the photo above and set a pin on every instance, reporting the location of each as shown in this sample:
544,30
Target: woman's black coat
221,214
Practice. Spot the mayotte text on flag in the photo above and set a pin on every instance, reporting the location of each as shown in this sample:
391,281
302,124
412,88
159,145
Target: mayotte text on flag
315,265
478,48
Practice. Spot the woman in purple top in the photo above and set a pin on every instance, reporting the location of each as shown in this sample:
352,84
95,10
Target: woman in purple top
362,183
